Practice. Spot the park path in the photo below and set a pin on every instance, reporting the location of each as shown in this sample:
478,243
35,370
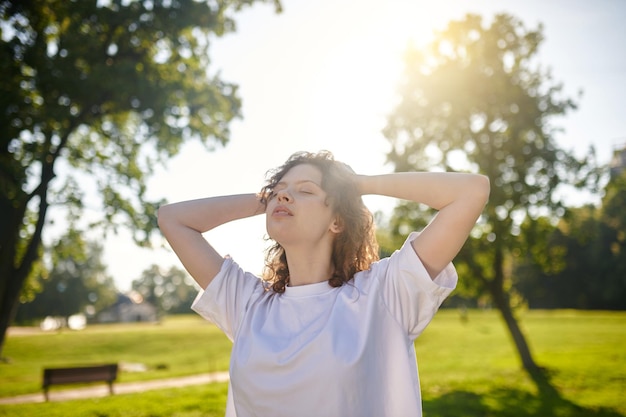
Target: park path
118,388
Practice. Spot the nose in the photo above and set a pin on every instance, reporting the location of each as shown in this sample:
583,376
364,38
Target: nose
283,195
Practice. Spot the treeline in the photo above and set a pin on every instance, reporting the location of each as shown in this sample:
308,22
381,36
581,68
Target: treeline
578,262
583,261
76,282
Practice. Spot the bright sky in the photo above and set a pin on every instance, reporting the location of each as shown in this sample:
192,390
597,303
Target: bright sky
322,74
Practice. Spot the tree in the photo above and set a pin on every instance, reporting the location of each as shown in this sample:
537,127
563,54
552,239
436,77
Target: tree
107,88
476,99
77,282
171,291
614,221
577,267
583,262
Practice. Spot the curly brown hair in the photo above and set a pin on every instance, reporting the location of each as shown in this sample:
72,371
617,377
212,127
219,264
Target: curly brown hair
354,248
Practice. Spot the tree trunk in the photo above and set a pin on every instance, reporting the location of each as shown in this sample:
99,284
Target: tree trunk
502,302
8,306
10,279
16,265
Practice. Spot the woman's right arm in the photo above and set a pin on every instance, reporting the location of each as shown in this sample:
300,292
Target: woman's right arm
183,223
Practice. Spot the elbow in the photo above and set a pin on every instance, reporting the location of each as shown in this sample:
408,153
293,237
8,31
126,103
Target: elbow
484,187
164,216
477,190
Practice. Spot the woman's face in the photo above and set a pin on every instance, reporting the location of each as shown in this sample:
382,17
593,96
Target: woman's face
297,212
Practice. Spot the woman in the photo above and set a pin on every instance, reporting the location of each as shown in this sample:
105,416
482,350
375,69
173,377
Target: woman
330,329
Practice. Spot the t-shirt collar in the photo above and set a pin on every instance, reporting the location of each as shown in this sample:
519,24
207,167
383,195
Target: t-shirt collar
308,289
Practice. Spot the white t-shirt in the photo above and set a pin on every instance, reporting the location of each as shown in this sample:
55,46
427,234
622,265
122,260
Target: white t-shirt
321,351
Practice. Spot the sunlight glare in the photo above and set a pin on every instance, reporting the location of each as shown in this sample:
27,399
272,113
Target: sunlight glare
355,89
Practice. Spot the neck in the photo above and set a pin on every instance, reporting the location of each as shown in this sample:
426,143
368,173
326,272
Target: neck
306,267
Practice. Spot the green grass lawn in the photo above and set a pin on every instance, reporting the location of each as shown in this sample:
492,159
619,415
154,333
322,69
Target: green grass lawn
472,368
467,368
179,345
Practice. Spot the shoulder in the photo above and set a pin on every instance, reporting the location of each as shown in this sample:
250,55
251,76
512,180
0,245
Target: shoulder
404,264
232,282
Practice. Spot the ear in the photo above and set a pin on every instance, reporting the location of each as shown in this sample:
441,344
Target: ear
336,226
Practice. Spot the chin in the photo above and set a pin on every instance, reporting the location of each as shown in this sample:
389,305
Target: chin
275,234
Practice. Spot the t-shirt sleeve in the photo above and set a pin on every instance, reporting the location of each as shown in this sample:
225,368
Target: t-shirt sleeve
410,294
226,298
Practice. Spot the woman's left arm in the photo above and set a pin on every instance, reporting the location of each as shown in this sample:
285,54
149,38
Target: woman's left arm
459,199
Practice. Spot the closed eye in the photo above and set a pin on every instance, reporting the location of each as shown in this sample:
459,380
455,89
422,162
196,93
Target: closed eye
306,191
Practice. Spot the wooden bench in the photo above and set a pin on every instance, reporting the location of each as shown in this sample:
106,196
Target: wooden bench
96,373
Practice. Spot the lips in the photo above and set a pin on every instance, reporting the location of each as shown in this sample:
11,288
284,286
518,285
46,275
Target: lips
282,211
